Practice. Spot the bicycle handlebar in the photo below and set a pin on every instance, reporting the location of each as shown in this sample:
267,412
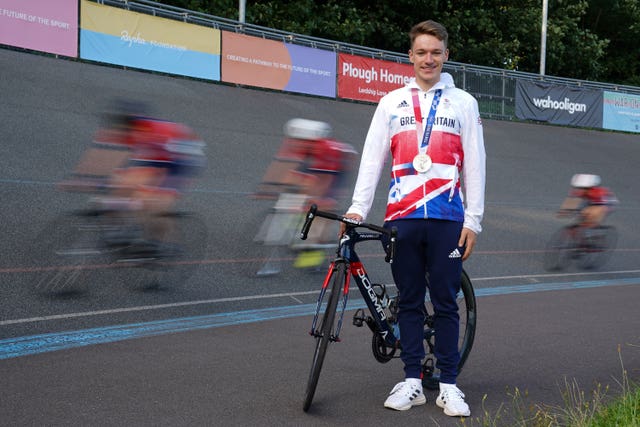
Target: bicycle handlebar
313,212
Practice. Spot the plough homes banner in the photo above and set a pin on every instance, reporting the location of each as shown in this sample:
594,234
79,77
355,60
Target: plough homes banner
118,36
45,25
367,79
556,104
272,64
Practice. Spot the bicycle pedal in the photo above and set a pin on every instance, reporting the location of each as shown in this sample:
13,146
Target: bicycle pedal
359,318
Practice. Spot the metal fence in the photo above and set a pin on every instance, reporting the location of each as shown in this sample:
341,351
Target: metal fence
494,88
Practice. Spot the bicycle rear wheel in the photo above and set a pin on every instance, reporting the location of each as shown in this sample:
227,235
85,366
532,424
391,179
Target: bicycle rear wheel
181,249
559,248
324,333
599,247
468,317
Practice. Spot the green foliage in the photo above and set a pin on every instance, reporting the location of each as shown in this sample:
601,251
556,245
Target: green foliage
586,39
624,411
619,22
579,409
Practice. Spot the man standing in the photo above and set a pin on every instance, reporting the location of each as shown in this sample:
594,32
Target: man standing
434,133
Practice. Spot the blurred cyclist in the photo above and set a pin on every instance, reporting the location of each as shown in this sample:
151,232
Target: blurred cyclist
309,162
309,167
593,201
141,164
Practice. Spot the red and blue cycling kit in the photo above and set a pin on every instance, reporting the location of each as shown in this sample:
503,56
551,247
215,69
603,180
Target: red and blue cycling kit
595,196
156,142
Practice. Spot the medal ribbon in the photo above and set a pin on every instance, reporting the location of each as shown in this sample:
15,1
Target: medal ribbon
431,118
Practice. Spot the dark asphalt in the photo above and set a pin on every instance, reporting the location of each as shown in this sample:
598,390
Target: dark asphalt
254,374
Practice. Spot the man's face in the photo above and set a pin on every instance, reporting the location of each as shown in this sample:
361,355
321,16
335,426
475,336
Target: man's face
428,55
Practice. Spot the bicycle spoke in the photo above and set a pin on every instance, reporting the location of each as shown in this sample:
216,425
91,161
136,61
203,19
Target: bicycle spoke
68,252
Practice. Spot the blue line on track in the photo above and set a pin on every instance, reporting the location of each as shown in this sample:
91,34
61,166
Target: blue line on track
34,344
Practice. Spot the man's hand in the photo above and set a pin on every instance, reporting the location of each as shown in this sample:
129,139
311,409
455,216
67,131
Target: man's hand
467,239
343,226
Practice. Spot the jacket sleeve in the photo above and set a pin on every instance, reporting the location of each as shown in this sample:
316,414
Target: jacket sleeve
374,154
474,166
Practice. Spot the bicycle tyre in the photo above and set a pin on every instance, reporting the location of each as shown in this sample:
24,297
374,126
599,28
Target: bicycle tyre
326,330
469,334
67,251
467,310
601,247
558,250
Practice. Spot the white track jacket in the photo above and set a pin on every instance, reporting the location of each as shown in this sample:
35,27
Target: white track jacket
456,147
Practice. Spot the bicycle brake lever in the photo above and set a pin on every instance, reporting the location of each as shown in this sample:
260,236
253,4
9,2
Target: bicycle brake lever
311,214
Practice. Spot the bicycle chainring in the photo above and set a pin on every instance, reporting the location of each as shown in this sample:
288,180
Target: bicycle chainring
381,351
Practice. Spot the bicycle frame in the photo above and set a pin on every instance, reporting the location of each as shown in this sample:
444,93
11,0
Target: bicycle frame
355,269
382,321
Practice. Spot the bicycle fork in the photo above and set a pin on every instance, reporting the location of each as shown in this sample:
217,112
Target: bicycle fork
335,335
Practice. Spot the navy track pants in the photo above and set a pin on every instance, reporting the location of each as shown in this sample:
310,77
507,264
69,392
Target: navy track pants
428,247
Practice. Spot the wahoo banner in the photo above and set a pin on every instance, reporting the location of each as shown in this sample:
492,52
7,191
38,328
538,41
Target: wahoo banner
117,36
556,104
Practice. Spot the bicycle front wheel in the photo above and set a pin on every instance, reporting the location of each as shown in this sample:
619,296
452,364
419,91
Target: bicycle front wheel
324,333
68,250
468,316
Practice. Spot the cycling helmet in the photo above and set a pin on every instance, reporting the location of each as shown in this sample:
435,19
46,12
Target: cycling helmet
123,112
307,129
583,180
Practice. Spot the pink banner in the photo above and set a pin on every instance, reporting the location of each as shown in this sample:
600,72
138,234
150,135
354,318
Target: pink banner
44,25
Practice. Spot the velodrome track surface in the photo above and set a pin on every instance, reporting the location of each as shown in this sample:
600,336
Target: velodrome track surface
229,349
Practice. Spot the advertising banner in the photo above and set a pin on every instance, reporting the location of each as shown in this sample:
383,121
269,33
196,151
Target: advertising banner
272,64
367,79
118,36
45,25
621,111
561,105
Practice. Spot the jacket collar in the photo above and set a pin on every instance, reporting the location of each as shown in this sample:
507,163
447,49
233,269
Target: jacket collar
446,81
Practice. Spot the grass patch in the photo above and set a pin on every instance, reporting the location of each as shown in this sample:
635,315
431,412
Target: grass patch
579,409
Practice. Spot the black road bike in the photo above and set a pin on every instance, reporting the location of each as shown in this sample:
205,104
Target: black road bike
588,248
381,307
80,248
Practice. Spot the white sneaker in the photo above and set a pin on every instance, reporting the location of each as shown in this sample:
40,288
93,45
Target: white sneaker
451,399
405,395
